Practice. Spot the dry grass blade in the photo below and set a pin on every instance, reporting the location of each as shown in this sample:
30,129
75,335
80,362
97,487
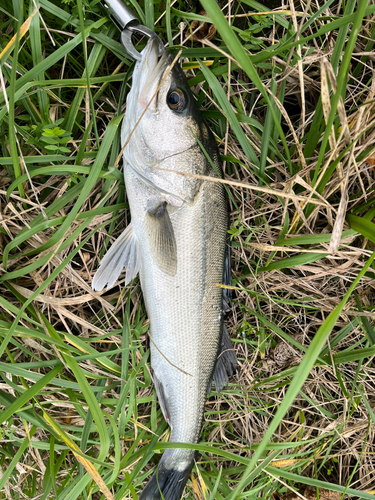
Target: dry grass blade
260,189
84,461
7,50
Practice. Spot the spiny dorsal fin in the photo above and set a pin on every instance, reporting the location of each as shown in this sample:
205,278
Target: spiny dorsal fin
161,238
123,253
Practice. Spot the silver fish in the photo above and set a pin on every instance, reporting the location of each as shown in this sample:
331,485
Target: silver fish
177,241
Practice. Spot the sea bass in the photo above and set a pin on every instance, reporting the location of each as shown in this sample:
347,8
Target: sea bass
177,241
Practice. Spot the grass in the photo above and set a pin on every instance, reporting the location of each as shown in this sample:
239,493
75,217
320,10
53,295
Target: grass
289,96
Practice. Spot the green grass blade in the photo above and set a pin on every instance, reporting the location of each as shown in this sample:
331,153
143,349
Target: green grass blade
296,260
230,114
16,459
342,78
36,51
29,394
320,484
362,226
301,374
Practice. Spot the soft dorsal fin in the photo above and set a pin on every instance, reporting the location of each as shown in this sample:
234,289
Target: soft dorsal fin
123,253
161,238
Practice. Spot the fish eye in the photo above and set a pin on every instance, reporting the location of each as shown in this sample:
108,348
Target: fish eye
176,100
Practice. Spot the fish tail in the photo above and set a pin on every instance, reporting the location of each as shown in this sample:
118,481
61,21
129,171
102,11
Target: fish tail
168,483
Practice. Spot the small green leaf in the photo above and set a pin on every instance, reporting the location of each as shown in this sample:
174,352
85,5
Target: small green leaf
64,140
48,132
49,140
58,131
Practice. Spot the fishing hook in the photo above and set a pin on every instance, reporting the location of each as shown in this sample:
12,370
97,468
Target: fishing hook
128,24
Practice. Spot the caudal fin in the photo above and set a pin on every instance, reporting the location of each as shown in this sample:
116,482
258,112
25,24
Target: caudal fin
168,482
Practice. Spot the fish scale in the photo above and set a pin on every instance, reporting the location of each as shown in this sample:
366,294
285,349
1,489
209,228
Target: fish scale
188,334
177,242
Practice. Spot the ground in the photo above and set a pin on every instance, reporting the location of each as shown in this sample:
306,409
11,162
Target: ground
289,96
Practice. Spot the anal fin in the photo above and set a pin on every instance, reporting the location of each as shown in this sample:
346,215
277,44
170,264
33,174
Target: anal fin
161,398
161,238
123,253
226,363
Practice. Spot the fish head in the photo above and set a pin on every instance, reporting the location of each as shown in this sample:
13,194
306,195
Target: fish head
163,122
169,124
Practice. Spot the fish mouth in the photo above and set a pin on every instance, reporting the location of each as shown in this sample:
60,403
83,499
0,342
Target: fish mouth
151,71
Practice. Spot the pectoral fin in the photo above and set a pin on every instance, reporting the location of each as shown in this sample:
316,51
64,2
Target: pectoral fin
161,238
123,253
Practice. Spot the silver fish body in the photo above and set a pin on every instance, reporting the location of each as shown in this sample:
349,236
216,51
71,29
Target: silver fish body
178,243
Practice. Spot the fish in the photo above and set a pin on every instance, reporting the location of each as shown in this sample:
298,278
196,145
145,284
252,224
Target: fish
177,242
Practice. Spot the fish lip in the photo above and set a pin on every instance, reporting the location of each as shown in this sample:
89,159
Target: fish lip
150,71
152,50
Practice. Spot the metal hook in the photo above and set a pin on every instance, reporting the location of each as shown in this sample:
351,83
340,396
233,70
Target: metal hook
126,39
128,24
